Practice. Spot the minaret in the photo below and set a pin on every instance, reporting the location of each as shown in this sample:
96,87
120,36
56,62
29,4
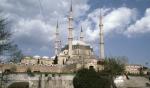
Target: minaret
81,34
57,41
101,34
70,28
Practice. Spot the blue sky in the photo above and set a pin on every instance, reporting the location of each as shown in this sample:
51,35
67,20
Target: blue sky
126,25
136,48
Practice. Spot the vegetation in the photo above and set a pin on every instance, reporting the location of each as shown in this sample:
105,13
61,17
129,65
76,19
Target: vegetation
4,36
7,47
56,60
112,68
16,54
29,72
89,78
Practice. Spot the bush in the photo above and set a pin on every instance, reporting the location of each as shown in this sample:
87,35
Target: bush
89,78
29,72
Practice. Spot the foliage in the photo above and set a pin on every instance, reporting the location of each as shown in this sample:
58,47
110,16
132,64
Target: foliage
113,66
7,48
56,60
29,72
89,78
4,36
16,54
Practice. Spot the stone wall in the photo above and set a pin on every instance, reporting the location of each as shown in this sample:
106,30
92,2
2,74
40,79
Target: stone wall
21,68
42,80
68,68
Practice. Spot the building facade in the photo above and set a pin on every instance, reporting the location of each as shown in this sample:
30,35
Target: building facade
133,69
37,60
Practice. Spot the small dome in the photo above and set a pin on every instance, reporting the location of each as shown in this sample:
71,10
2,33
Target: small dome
45,57
36,57
53,57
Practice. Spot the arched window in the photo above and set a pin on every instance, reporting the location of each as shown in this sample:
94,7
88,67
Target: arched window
91,67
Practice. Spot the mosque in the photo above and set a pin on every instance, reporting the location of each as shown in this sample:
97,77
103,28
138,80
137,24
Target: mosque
78,51
76,54
75,51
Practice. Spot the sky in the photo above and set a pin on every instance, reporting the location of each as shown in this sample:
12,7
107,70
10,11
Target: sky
126,25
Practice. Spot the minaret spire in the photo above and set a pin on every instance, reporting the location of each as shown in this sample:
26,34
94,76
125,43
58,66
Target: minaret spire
101,34
81,34
57,40
71,6
57,26
70,28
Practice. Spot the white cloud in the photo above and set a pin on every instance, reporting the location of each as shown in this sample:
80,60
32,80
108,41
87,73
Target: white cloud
119,19
114,20
141,26
35,29
147,12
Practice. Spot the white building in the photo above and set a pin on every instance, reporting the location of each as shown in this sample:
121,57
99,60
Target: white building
37,60
133,68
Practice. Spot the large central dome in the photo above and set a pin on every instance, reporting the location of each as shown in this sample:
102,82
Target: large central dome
78,42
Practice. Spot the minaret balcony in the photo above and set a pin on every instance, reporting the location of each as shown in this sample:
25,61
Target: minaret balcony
71,18
70,28
70,38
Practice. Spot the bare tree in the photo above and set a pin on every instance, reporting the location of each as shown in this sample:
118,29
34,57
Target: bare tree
7,47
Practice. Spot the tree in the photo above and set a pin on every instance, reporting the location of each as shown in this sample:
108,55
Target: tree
16,54
29,72
112,68
89,78
7,48
55,60
4,36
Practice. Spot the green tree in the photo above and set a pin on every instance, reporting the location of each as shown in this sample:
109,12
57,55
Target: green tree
29,72
55,61
112,68
89,78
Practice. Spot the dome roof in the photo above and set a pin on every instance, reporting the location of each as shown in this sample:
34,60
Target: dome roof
45,57
36,57
78,42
